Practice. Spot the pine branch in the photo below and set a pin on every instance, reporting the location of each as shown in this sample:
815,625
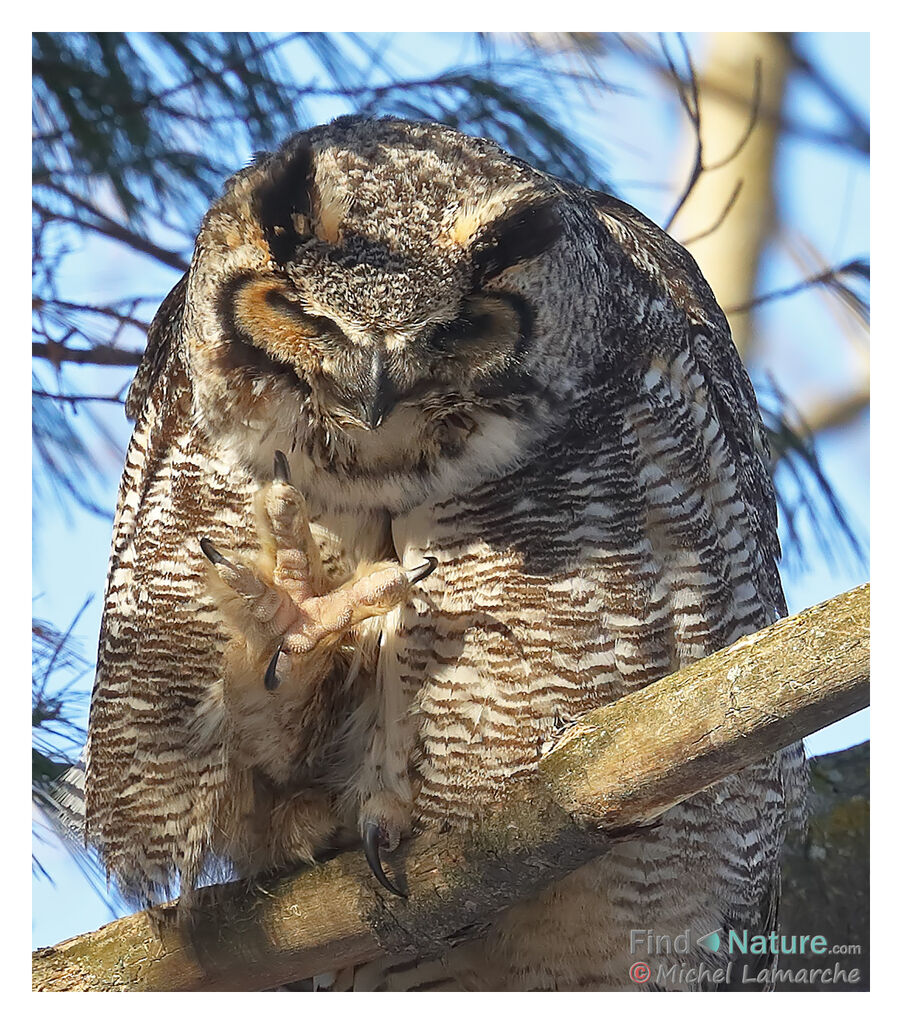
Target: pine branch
97,355
859,268
119,232
831,413
611,775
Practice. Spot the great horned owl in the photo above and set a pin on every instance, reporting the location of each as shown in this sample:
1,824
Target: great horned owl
398,350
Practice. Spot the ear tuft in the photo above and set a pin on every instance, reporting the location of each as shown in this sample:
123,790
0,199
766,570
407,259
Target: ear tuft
284,200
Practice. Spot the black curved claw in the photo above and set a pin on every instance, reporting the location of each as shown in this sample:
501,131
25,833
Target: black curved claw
371,852
270,679
280,471
206,545
421,571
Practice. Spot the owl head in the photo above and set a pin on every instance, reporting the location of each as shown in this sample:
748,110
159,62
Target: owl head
390,303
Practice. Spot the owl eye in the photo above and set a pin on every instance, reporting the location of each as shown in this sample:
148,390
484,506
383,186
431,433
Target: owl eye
284,202
311,325
497,321
267,331
472,323
524,233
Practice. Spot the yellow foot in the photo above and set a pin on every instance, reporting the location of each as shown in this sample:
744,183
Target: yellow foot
284,599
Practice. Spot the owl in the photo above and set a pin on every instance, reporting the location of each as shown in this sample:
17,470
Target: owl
433,453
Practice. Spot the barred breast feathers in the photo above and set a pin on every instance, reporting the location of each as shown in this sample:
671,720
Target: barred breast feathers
455,357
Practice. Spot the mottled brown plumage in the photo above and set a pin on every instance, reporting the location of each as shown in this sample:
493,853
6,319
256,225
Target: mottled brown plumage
467,359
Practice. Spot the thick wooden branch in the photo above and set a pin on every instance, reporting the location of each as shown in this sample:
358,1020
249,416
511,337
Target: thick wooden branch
630,761
614,772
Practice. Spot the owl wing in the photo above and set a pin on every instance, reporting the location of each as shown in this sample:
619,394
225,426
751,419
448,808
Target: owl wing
151,779
162,338
637,539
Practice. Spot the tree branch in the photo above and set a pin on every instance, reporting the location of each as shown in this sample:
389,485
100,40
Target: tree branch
830,413
858,267
859,130
112,229
98,355
613,773
59,305
75,399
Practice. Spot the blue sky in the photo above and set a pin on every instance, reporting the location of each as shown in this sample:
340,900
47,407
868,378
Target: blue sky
821,193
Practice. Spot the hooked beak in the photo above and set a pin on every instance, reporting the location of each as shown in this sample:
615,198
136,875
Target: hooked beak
378,395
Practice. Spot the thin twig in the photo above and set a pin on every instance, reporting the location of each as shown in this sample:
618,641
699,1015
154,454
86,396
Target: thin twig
113,229
853,267
63,640
689,101
39,302
75,399
723,216
689,98
848,138
860,129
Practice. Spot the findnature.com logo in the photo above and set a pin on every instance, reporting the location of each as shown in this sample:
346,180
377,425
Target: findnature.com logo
732,945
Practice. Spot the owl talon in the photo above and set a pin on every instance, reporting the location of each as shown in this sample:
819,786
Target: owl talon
206,545
371,852
421,571
270,679
280,471
287,601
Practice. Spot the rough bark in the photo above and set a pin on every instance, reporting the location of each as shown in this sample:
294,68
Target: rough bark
626,763
614,772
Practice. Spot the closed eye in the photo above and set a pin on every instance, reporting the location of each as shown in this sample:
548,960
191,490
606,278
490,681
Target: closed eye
320,326
492,321
269,331
471,324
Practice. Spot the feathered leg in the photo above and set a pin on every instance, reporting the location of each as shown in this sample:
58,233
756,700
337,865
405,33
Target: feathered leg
284,667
